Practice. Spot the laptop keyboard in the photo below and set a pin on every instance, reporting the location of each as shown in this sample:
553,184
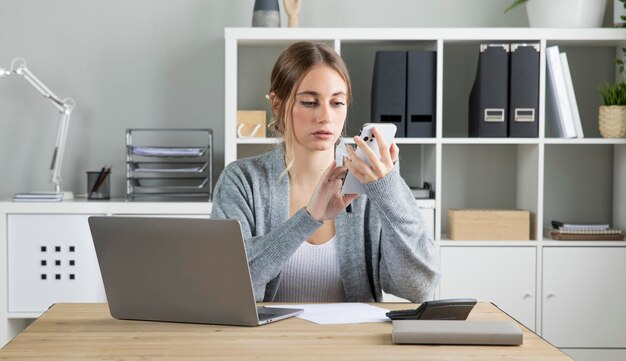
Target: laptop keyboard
267,315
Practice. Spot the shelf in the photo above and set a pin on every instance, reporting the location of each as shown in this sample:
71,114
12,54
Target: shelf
547,242
259,141
484,243
20,315
265,36
112,206
616,141
512,141
461,140
348,140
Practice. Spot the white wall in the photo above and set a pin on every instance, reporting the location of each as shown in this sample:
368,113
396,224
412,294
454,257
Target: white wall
152,63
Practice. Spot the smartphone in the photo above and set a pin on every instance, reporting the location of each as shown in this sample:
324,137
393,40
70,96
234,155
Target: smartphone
351,185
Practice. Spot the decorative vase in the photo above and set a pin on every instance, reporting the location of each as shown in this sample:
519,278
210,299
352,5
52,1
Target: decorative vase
565,13
619,13
612,121
266,14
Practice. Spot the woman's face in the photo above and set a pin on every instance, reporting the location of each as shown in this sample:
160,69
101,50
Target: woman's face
320,109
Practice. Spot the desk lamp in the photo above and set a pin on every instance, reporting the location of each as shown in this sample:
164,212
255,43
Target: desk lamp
65,107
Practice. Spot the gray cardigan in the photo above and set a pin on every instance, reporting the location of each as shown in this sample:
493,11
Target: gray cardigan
382,245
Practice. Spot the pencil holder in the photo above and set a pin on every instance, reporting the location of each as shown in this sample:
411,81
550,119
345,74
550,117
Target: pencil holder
98,188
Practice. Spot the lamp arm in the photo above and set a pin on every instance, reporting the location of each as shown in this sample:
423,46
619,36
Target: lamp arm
65,107
59,149
18,67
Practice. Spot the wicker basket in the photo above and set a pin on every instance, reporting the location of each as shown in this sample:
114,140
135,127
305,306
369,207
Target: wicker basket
612,121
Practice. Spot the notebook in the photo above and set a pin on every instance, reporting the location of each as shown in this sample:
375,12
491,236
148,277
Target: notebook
178,270
448,332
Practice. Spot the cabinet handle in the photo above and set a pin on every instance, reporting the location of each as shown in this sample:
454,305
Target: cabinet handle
527,295
550,295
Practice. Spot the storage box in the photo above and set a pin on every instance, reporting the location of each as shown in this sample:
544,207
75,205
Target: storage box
251,124
488,224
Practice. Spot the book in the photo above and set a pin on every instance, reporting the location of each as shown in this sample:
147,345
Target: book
560,120
580,226
561,236
586,231
450,332
571,96
38,197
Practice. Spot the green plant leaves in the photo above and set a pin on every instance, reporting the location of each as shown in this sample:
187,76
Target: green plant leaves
613,94
517,3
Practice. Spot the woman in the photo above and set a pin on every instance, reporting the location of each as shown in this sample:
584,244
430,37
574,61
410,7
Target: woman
305,240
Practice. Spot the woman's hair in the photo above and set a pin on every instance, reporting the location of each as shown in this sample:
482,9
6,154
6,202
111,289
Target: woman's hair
290,68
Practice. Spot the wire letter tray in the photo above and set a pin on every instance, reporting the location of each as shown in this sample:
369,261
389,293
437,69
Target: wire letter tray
169,163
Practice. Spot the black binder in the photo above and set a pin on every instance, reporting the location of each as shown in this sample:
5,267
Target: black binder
524,91
488,100
420,93
389,89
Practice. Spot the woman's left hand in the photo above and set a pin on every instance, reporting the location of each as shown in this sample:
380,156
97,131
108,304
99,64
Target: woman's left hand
380,167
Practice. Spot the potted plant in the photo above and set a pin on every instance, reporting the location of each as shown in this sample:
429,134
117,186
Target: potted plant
619,13
563,13
612,112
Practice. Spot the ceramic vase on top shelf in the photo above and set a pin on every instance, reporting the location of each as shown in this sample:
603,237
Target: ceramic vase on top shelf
266,13
619,13
565,13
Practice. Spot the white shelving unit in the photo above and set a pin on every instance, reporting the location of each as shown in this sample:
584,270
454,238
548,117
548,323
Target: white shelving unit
568,179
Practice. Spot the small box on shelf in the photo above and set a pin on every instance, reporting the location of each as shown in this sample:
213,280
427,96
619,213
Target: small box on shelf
489,224
251,124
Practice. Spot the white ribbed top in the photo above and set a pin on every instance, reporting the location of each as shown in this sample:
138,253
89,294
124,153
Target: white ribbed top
312,275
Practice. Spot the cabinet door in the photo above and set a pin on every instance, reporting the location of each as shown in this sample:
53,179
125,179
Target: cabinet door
584,296
502,275
51,259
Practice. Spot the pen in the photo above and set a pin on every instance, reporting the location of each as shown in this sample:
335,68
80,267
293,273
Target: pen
101,179
93,188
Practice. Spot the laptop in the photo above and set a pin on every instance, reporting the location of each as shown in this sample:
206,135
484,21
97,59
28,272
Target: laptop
178,270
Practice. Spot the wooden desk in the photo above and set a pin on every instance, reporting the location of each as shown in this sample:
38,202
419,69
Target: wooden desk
88,332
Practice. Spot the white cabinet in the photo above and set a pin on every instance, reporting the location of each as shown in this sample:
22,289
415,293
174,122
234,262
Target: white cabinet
581,354
584,296
502,275
51,259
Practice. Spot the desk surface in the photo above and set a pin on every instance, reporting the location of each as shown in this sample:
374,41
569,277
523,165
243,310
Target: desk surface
88,332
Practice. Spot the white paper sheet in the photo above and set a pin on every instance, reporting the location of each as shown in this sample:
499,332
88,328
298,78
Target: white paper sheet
340,313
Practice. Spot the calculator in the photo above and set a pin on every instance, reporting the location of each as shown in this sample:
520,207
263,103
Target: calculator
449,309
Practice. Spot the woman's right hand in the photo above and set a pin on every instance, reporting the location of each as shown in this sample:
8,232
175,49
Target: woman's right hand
327,201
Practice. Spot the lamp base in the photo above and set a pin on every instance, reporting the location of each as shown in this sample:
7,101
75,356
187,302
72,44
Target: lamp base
43,196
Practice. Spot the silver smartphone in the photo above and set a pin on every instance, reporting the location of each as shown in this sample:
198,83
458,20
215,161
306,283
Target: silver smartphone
351,185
